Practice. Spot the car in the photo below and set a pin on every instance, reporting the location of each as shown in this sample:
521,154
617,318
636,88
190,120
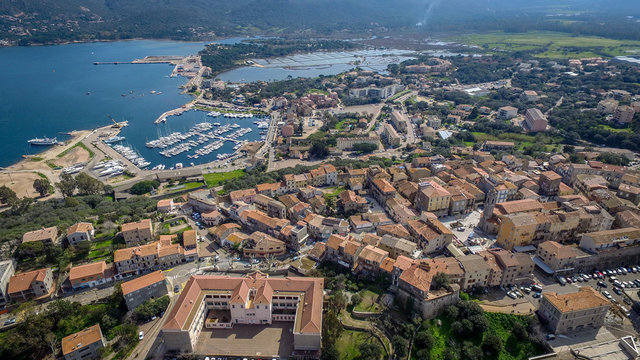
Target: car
568,279
536,287
623,271
537,295
512,295
247,266
141,335
602,284
562,280
613,279
153,317
10,322
633,269
617,291
614,301
461,228
176,289
607,294
626,301
550,337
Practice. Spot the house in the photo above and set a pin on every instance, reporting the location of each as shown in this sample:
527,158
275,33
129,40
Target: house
136,233
476,271
7,269
623,114
246,196
489,145
33,284
398,247
432,197
382,190
431,235
90,275
78,232
212,218
349,202
221,232
143,288
549,183
158,254
220,302
203,200
85,344
507,112
415,283
166,206
369,260
190,244
573,312
45,235
529,95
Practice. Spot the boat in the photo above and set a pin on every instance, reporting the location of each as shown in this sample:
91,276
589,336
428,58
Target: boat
45,141
113,139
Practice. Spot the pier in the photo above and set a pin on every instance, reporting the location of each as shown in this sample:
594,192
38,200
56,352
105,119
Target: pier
178,111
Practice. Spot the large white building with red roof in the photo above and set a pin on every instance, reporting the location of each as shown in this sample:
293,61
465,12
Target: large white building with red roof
222,302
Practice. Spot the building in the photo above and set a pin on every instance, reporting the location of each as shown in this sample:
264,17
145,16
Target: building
382,190
607,106
212,218
153,256
203,200
623,114
7,269
79,232
136,233
259,244
549,183
393,139
598,241
535,121
349,202
529,95
90,275
573,312
398,247
85,344
489,145
45,235
415,283
143,288
399,120
476,271
166,206
223,302
29,285
434,198
507,112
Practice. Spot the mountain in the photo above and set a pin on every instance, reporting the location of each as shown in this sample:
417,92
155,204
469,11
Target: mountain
29,21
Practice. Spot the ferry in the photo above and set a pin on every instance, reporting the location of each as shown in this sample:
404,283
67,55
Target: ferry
45,141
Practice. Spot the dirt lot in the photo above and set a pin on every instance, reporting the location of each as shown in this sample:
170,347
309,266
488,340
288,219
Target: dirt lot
247,340
74,156
21,183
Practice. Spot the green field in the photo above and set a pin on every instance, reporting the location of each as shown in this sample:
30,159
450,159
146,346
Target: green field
369,302
551,44
349,342
399,95
214,179
612,129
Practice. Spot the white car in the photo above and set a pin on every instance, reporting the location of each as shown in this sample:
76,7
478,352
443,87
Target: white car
141,335
512,295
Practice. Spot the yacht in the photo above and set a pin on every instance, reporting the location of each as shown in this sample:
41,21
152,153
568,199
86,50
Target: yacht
113,139
45,141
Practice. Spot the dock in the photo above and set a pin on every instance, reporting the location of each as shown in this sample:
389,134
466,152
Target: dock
178,111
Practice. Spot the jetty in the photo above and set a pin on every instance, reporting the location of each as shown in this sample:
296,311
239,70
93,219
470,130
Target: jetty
163,118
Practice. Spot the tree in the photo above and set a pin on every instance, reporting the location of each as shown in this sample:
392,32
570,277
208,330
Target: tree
7,195
370,351
399,346
67,185
88,185
365,148
41,186
480,323
451,312
519,331
21,206
356,299
492,345
423,354
424,340
440,280
470,352
330,353
144,187
319,150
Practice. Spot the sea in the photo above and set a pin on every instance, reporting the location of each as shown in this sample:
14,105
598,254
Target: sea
52,90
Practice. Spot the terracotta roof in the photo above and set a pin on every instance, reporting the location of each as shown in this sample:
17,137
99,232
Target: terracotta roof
394,229
267,187
383,185
238,194
417,277
311,288
142,281
22,281
164,202
142,224
221,229
551,175
189,238
335,241
403,262
40,235
80,227
318,250
129,253
81,339
560,251
516,206
584,299
387,264
373,254
608,236
83,271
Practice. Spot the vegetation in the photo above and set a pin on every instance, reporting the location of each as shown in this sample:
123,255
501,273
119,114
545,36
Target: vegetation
78,144
217,178
40,334
144,187
365,148
42,186
150,308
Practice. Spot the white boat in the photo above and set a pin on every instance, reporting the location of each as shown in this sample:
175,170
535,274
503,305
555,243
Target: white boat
113,139
45,141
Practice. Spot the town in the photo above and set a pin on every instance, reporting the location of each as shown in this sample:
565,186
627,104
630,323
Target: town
390,215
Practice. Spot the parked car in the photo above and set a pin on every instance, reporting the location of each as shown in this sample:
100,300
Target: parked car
141,335
602,284
617,291
626,301
550,337
176,289
536,287
512,295
537,295
607,294
562,281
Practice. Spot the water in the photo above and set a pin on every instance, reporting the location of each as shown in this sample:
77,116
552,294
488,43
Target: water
315,64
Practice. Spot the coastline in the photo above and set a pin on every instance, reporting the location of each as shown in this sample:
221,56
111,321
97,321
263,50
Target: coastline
71,42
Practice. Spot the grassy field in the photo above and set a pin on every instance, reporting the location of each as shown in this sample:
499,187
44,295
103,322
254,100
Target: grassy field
182,187
399,94
612,129
552,44
214,179
369,302
349,342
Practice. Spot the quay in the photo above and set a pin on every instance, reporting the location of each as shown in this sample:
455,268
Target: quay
178,111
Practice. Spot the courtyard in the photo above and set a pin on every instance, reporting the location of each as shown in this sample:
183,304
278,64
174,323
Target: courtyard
247,340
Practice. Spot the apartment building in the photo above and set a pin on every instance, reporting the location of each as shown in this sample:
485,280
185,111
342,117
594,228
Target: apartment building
382,190
434,198
85,344
415,283
158,254
623,114
143,288
349,202
223,301
136,233
430,234
90,275
549,183
259,244
29,285
476,271
574,312
507,112
391,135
398,247
535,121
79,232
